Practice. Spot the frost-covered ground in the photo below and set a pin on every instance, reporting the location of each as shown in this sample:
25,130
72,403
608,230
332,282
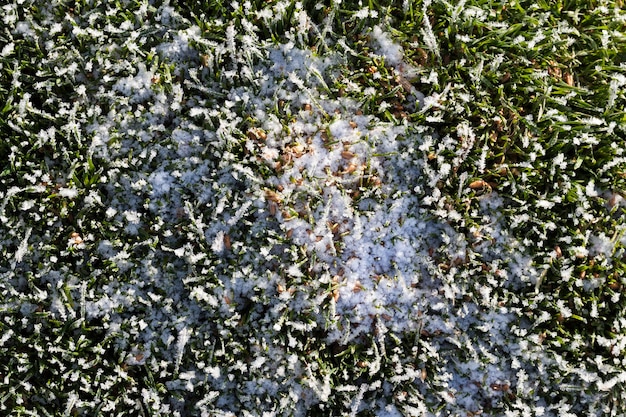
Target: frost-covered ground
301,209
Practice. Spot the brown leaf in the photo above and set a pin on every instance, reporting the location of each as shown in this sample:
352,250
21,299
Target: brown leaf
347,155
478,185
273,196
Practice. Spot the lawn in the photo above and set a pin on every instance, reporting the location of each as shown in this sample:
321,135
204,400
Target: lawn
276,208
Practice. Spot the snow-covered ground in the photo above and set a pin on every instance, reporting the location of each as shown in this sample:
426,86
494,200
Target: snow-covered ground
217,231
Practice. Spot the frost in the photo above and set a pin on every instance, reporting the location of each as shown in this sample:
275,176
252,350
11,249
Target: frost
254,235
22,248
68,192
385,46
137,87
8,49
601,245
161,183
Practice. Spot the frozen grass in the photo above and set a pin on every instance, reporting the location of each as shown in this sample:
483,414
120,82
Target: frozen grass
299,208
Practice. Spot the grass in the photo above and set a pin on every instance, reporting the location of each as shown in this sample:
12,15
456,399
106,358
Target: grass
302,208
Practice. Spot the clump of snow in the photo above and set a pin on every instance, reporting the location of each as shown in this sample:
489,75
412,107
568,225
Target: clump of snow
393,53
601,245
68,192
386,47
137,87
161,182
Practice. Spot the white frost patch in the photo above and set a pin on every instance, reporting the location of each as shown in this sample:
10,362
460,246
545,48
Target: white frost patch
375,247
22,248
161,183
23,28
601,245
137,86
68,192
8,49
386,47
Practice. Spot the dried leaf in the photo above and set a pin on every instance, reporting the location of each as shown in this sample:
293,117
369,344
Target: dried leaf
478,185
347,155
